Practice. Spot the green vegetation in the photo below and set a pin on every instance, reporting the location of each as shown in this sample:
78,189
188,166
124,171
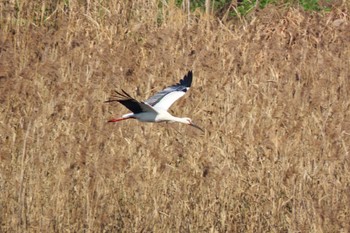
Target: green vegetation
243,7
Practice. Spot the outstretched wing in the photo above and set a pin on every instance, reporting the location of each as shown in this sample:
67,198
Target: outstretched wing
130,103
165,98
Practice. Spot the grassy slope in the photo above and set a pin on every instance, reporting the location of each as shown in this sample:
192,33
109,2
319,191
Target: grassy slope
272,93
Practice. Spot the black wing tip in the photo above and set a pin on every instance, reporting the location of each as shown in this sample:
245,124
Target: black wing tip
187,80
125,99
120,96
189,74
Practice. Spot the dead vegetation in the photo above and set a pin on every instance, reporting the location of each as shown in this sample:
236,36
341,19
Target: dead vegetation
272,92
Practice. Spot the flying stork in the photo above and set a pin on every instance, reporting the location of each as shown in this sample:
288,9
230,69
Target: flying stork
155,109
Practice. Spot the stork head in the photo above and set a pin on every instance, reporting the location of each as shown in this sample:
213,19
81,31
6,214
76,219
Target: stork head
188,121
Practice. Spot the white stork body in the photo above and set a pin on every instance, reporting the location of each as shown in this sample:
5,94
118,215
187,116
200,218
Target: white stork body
157,117
155,108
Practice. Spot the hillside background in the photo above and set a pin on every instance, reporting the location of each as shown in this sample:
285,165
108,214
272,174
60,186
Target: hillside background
271,88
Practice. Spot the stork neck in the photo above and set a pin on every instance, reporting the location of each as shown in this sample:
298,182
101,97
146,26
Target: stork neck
179,119
168,117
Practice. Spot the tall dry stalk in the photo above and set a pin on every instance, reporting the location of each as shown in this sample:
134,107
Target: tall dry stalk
272,94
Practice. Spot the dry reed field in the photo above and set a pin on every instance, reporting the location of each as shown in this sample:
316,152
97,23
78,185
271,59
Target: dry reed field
272,91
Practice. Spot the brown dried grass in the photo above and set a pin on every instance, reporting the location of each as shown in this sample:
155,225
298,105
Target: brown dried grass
272,93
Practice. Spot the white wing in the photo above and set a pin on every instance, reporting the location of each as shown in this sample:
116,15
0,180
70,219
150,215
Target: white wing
165,98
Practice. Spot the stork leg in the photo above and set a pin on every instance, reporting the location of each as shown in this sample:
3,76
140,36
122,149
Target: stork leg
118,119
